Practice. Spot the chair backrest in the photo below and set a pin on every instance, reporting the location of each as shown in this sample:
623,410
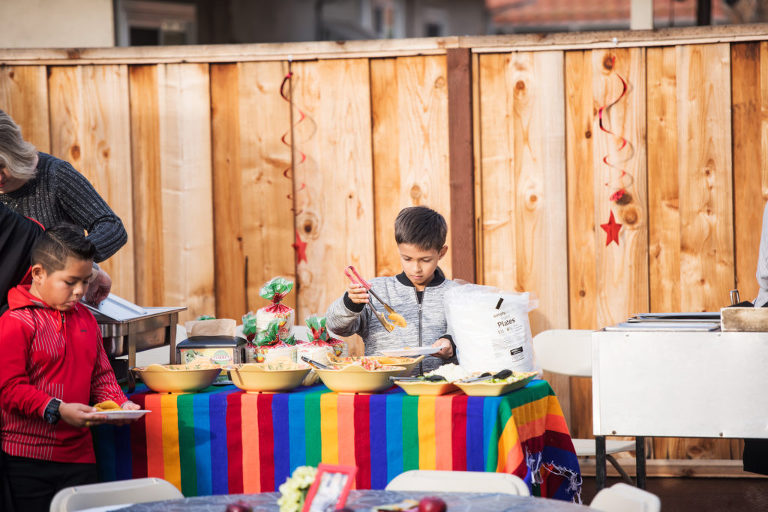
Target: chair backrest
625,498
139,490
459,481
564,351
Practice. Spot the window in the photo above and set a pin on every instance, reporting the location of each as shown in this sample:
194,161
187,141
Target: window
434,22
144,23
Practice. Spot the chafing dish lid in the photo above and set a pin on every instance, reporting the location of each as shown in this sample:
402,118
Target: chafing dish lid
117,309
210,342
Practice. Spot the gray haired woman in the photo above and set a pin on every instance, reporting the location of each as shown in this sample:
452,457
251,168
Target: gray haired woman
51,191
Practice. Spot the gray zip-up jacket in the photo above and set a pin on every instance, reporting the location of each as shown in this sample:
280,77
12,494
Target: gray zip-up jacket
426,320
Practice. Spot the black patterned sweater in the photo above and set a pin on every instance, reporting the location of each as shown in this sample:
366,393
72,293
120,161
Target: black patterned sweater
59,193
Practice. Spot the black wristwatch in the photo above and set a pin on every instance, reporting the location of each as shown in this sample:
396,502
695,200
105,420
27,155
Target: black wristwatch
51,413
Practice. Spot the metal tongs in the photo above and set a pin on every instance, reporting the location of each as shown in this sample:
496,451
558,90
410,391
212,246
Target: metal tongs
315,364
503,374
351,273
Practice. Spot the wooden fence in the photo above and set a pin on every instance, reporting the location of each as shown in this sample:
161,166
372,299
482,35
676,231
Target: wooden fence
223,182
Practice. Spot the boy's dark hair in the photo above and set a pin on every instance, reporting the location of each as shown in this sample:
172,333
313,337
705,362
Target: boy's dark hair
58,243
422,227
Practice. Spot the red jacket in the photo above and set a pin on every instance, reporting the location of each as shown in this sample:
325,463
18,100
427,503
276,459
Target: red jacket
48,354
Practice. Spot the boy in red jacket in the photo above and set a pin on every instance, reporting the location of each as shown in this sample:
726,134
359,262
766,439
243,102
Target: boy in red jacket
54,365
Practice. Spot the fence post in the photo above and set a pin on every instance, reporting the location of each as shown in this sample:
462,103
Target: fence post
461,165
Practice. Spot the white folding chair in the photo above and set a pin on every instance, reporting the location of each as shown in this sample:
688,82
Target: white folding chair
625,498
458,481
569,352
121,492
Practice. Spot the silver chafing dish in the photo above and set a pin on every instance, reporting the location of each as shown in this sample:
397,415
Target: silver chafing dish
127,328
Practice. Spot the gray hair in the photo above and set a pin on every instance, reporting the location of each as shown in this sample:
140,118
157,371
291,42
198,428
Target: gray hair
16,154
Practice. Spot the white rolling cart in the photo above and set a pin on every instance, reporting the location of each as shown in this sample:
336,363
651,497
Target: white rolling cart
678,384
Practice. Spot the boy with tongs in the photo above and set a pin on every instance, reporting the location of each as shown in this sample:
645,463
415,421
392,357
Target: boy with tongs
416,294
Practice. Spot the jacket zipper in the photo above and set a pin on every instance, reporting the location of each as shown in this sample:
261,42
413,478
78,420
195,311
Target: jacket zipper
421,368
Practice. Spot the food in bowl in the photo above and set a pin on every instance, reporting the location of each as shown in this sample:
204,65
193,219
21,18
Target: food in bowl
356,378
268,377
177,378
409,363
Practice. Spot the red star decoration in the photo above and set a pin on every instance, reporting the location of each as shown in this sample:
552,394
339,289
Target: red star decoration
300,247
612,229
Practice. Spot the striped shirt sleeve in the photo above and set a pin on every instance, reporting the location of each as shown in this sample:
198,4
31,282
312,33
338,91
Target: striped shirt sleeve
17,394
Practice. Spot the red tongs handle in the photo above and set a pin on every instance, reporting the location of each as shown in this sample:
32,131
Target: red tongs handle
351,273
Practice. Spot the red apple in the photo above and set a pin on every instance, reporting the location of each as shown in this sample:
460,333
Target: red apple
432,504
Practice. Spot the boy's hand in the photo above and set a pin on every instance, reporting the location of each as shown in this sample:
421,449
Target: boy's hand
80,415
446,349
130,406
127,406
357,294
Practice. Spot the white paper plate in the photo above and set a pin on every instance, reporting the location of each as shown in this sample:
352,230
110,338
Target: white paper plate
123,415
410,351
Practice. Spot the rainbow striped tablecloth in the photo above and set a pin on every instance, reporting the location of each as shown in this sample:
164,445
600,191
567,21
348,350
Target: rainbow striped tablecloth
224,441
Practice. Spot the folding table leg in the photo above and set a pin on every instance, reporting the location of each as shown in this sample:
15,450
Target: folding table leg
640,461
599,462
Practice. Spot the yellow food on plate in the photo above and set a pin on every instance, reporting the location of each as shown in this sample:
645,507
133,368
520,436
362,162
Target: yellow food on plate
108,405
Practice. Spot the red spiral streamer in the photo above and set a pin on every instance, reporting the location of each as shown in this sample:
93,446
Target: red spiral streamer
302,156
624,179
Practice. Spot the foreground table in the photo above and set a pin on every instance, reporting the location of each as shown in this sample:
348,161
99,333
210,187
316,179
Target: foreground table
224,441
367,500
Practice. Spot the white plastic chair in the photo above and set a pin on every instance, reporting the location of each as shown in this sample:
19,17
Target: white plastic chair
625,498
458,481
569,352
121,492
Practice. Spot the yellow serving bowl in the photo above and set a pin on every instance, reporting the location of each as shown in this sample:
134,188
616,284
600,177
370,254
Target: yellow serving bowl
177,378
356,379
258,378
426,388
484,388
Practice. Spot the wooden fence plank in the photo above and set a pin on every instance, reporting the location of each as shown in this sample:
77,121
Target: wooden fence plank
703,103
91,120
335,217
477,134
749,122
149,246
229,256
267,191
663,194
24,97
582,243
386,163
663,182
185,135
706,214
497,171
409,101
622,268
260,187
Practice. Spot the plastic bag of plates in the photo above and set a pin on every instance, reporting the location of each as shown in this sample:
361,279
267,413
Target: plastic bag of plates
490,328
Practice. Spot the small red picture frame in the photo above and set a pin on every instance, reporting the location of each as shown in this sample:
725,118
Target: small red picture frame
330,489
